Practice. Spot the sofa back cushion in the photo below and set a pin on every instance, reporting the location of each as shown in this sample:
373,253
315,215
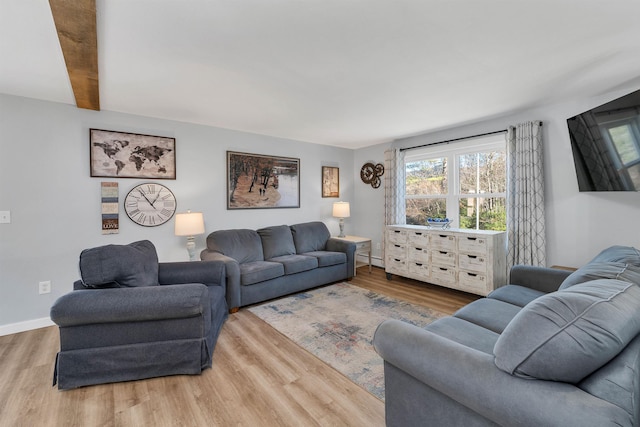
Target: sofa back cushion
310,236
276,241
624,254
603,270
135,264
567,335
243,245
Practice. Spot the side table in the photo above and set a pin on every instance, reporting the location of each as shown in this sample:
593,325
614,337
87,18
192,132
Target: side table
363,245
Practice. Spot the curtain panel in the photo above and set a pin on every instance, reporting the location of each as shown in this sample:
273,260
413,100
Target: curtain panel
394,191
525,195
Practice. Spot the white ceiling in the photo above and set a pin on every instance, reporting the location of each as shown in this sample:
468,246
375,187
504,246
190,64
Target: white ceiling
348,73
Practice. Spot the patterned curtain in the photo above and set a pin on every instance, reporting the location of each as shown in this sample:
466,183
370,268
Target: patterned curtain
525,195
394,190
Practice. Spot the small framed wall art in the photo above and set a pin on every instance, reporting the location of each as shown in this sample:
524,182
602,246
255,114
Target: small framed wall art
131,155
330,181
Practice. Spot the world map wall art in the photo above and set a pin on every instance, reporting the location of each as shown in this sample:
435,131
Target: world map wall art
131,155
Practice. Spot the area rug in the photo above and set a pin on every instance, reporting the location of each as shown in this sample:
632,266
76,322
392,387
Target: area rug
336,323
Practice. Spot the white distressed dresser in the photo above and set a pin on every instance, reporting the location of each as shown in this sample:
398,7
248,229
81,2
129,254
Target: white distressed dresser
473,261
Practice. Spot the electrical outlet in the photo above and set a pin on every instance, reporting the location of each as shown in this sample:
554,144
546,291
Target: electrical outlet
44,287
378,245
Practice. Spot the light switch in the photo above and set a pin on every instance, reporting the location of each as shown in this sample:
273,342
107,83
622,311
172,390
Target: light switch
5,217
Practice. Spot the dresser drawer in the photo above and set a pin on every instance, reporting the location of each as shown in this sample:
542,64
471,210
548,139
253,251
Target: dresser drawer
419,269
443,242
395,265
443,276
397,236
397,250
473,244
419,238
472,282
418,254
475,263
443,258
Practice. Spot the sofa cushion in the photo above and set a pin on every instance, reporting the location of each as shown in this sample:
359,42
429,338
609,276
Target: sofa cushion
243,245
624,254
465,333
489,313
310,236
603,270
276,241
135,264
296,263
567,335
515,294
259,271
327,258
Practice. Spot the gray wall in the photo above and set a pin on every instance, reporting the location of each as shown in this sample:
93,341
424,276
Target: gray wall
55,205
578,225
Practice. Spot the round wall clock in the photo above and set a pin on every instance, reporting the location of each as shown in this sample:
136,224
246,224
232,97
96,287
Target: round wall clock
150,204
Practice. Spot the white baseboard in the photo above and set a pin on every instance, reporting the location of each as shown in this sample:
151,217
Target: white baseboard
375,260
28,325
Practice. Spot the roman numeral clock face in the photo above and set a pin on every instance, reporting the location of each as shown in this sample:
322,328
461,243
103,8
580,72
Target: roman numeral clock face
150,204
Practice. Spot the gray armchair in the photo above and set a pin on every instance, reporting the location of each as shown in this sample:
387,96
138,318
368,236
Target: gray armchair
132,318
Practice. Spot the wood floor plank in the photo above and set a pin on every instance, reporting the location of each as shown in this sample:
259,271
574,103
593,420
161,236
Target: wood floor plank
258,378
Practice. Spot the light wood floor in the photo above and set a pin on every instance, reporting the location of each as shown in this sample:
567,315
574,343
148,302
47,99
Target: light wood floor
259,378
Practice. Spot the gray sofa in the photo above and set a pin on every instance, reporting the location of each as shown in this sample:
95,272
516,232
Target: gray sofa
274,261
552,348
131,317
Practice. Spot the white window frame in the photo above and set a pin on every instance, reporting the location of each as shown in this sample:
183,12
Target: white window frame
451,151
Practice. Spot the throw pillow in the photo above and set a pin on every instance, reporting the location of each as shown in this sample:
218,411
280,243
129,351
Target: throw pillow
603,270
276,241
310,236
135,264
568,334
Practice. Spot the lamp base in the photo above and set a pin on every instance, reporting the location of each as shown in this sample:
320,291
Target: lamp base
341,228
191,248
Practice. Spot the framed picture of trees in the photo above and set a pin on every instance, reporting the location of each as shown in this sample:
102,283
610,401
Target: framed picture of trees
256,181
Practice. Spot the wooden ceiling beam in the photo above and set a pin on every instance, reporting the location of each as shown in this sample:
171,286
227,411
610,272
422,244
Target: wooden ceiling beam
75,22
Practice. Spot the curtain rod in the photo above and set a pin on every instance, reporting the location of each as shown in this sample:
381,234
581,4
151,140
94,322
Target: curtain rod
455,139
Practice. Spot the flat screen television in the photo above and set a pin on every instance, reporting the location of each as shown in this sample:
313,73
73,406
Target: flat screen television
606,145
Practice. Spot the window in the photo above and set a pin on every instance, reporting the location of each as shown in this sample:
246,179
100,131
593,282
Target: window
465,182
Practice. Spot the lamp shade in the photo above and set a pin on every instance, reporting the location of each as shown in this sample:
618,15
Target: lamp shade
189,224
341,210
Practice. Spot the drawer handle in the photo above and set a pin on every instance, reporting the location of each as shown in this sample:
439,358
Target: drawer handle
443,252
472,275
397,246
418,234
396,231
444,236
418,249
418,264
472,256
472,238
396,259
443,269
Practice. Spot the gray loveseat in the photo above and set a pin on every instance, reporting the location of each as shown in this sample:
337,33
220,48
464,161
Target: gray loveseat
274,261
552,348
131,317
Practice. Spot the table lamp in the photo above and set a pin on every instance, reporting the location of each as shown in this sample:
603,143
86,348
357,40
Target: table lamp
341,210
190,224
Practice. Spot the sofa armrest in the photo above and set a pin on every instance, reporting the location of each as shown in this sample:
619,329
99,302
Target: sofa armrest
232,271
542,279
349,248
210,273
471,378
118,305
